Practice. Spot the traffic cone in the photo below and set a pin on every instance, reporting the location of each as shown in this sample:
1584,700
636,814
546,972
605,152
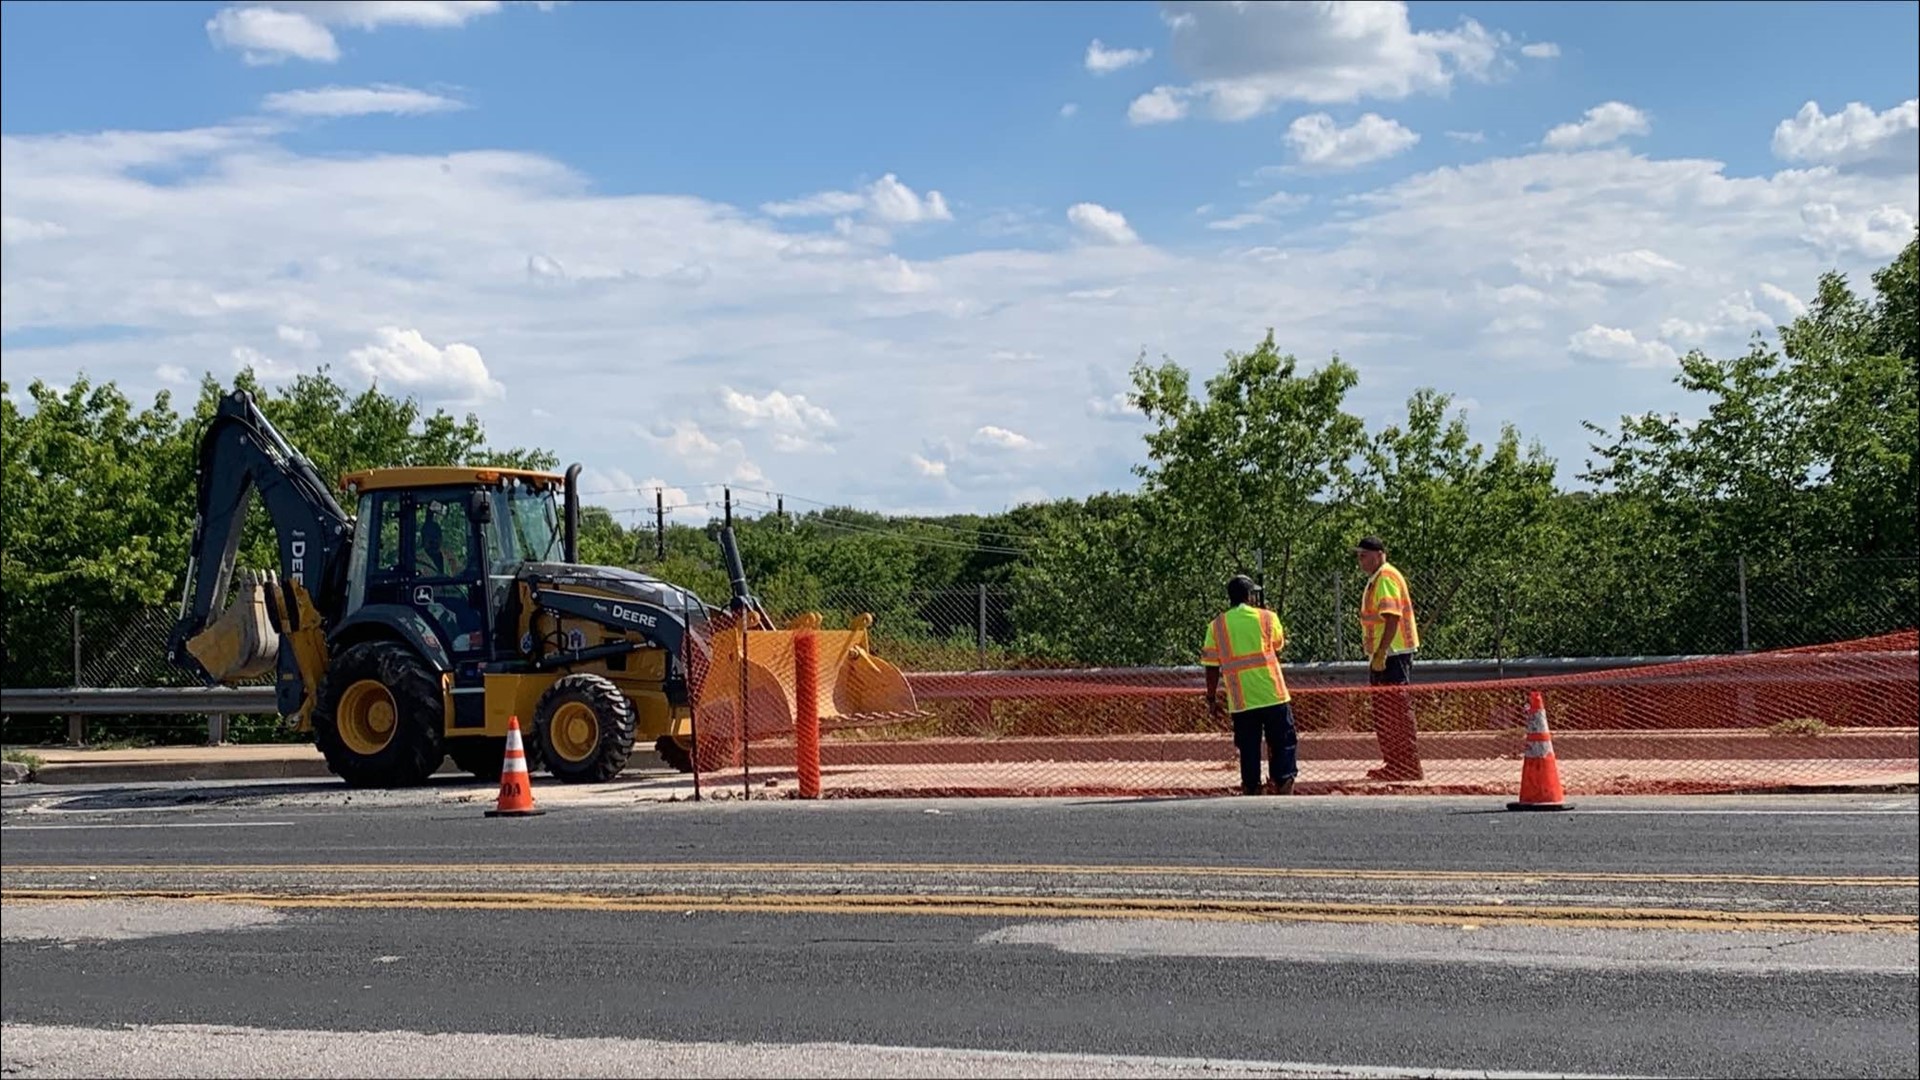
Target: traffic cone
516,784
1539,773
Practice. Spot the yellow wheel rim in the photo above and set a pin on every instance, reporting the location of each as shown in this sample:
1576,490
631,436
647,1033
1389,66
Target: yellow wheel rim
574,733
367,717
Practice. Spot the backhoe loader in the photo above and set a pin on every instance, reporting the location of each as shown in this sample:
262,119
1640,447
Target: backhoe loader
453,599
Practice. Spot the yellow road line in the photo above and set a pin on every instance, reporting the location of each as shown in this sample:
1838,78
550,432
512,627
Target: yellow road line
1033,907
1091,870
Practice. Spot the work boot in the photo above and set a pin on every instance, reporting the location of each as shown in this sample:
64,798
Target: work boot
1280,787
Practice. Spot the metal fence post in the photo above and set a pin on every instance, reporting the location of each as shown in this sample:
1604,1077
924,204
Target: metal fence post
76,725
981,636
1746,638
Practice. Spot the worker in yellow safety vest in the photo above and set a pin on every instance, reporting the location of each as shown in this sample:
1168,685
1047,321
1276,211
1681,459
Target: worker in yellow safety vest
1242,651
1390,635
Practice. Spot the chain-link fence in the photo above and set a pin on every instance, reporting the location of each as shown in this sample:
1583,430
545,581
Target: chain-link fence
1464,613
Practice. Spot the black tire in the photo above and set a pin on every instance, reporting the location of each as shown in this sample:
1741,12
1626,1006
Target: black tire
479,755
414,751
612,716
675,755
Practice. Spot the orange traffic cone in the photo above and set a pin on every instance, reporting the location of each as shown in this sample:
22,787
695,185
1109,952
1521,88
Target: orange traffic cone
516,784
1539,773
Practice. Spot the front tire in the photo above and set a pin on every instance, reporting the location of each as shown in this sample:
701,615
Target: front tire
377,717
584,728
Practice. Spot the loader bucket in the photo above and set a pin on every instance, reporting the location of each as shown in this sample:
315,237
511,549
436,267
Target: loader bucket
853,683
241,643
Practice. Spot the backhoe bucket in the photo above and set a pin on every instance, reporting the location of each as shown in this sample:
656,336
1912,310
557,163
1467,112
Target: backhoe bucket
241,643
853,683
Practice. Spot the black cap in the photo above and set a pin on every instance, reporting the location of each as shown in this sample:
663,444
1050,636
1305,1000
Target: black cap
1370,543
1240,588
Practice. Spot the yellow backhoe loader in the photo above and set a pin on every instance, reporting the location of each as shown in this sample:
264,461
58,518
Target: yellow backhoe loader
453,599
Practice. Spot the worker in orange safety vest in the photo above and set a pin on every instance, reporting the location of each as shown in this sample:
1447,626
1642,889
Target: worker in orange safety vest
1242,653
1390,635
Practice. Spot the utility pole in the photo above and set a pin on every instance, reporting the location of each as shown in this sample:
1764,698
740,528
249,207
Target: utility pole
726,506
780,509
660,524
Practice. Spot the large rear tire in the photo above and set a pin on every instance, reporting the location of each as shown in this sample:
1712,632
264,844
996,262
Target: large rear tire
583,728
377,717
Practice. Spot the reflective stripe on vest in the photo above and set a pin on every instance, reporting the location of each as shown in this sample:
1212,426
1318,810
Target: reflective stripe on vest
1373,612
1242,669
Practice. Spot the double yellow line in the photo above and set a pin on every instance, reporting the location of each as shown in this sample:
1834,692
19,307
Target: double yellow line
718,899
1467,916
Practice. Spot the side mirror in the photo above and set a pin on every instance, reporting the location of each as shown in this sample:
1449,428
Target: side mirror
480,508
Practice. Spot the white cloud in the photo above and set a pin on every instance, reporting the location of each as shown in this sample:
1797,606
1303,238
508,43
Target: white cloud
1414,282
932,469
297,336
1617,269
173,374
886,200
1787,301
1161,105
1602,124
406,359
795,423
1467,136
264,367
1115,406
1248,58
990,437
1068,110
1615,345
16,230
1096,222
1102,60
1856,135
358,101
1319,143
1261,213
273,31
1540,50
1878,233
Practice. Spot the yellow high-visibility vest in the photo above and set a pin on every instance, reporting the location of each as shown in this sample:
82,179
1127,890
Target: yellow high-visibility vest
1387,594
1245,643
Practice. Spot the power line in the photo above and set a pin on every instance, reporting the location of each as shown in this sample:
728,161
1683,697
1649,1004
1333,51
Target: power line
1010,534
892,534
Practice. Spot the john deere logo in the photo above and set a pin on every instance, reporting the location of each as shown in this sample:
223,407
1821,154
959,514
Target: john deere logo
422,596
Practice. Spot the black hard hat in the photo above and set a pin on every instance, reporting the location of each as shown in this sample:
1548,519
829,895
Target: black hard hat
1370,543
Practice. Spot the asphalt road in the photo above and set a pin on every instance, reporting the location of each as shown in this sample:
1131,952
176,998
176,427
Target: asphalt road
1753,937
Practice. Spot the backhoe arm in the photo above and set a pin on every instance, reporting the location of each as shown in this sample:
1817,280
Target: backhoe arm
242,452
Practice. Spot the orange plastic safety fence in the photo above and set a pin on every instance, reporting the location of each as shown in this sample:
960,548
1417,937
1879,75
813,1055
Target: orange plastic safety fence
1829,714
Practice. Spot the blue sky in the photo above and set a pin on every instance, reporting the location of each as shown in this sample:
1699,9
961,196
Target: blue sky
708,236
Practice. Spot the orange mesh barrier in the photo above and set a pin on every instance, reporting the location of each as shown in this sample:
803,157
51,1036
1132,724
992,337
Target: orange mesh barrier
1838,713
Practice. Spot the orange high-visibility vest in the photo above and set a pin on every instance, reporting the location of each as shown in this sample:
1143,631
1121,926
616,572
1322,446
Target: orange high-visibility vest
1387,594
1245,643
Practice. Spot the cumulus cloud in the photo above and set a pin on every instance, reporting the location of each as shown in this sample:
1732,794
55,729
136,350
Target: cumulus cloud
1319,143
1417,278
1246,59
1540,50
274,31
991,437
1614,345
1102,60
1098,223
886,201
1602,124
1854,136
297,336
405,358
1878,233
795,424
333,101
1161,105
17,230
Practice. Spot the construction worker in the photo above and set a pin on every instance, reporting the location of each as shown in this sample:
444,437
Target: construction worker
1389,635
1242,650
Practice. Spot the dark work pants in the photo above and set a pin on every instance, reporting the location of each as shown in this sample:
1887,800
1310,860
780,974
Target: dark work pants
1276,723
1393,722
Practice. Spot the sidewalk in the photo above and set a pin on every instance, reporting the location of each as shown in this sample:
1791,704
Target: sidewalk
995,767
